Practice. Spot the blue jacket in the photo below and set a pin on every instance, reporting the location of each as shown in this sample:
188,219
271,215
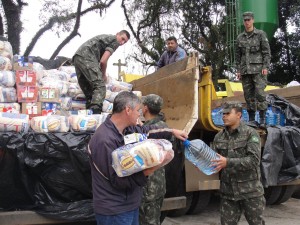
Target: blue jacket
113,195
169,57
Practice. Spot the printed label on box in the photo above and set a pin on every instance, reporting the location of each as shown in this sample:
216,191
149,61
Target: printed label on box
25,77
27,93
50,108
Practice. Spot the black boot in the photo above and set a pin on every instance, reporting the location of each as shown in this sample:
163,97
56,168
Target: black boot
262,119
96,109
252,122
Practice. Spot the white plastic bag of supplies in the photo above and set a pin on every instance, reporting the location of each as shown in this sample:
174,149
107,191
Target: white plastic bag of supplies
136,157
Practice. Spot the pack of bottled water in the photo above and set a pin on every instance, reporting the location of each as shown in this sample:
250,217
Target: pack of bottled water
217,116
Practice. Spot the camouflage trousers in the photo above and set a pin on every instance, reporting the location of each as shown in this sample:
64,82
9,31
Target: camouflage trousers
253,208
90,80
255,96
153,196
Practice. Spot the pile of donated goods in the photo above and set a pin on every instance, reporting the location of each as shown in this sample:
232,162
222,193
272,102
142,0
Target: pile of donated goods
38,100
46,100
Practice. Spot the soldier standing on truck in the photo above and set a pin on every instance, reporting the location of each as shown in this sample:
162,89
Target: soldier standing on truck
239,151
253,61
155,189
173,53
92,76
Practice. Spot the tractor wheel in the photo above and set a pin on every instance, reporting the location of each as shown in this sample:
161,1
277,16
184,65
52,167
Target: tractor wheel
272,193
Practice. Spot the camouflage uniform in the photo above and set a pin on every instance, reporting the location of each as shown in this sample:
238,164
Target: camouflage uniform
253,55
86,61
241,188
155,189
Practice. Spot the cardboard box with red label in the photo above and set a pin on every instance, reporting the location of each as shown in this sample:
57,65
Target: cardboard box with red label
27,93
25,77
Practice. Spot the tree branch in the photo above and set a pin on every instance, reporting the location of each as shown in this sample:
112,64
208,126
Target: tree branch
56,19
72,34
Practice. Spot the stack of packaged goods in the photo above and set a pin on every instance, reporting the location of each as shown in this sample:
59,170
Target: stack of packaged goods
10,117
51,100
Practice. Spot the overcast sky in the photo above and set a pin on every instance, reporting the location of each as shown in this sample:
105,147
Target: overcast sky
91,25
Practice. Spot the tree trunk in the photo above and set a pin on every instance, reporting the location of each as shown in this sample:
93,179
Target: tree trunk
12,13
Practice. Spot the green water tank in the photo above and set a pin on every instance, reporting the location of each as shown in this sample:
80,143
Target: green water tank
265,14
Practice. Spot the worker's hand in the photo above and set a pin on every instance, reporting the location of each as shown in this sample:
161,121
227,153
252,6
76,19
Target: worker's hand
149,171
104,77
139,122
219,163
264,72
238,76
180,134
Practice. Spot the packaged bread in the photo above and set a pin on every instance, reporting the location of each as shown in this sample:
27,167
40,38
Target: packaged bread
51,123
14,122
85,122
5,63
7,78
132,158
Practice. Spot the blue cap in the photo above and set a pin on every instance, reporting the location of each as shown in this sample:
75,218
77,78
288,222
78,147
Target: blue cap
186,143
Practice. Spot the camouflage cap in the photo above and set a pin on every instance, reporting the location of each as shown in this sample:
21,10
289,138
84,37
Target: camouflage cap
228,106
248,15
154,102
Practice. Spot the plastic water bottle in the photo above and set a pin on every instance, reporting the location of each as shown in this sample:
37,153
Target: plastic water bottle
282,118
214,116
217,116
200,154
245,115
270,117
257,117
277,116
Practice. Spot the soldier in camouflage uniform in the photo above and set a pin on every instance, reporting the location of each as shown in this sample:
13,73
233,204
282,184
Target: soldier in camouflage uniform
253,60
92,76
155,189
238,147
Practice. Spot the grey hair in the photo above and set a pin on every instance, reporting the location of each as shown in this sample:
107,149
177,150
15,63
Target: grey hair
123,99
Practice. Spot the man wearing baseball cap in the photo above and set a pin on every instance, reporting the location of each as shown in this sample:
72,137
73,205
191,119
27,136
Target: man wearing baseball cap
252,55
155,189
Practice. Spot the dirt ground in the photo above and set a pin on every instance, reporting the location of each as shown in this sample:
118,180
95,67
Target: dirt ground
287,213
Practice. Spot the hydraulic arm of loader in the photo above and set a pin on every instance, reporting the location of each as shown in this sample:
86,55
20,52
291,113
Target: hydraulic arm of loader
207,94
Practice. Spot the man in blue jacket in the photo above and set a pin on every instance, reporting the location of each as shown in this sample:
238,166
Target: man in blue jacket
173,53
117,199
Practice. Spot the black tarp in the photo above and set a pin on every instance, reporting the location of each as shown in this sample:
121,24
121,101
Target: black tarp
49,173
281,154
46,172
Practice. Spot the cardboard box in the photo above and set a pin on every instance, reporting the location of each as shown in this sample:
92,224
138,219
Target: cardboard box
49,95
27,93
20,64
51,108
25,77
32,109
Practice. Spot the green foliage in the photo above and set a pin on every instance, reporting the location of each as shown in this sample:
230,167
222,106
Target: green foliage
200,25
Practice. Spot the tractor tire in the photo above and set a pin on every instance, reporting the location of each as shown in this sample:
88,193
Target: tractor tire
200,202
272,193
286,194
181,192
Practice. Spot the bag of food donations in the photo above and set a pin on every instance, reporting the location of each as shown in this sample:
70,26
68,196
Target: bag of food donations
132,158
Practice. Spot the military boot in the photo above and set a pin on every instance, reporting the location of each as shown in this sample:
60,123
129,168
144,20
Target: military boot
262,119
252,121
96,109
